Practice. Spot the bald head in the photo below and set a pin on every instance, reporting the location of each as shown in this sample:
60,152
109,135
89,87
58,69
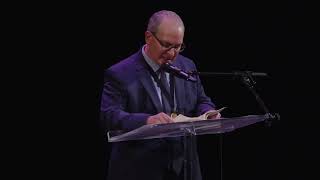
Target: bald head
164,36
164,17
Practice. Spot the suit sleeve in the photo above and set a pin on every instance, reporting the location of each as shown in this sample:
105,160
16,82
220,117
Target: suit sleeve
204,103
113,114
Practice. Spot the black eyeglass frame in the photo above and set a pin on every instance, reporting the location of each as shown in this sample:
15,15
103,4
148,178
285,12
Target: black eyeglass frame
167,47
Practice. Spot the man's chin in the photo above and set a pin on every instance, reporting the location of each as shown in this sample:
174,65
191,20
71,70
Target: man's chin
163,61
167,61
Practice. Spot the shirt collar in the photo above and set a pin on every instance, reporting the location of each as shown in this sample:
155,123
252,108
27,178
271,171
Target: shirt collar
155,67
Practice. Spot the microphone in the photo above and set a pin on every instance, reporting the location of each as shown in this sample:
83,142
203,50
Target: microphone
235,73
170,68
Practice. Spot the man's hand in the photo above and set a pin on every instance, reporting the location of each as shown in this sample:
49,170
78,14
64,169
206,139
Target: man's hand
159,119
215,116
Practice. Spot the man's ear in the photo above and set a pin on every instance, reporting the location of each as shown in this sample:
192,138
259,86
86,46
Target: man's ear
147,37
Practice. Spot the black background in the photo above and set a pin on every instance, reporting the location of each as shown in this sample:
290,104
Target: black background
66,47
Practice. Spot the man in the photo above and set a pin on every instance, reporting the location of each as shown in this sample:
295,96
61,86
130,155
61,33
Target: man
134,96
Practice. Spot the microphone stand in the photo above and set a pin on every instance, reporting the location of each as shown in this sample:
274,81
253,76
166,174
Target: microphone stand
246,78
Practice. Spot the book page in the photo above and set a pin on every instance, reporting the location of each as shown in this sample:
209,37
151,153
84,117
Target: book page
182,118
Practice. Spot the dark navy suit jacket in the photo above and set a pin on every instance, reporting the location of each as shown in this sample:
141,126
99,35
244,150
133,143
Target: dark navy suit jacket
128,99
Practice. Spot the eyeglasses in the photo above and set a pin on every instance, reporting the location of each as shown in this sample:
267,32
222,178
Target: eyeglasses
167,46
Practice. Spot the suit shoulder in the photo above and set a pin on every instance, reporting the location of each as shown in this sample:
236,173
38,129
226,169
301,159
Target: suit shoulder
185,61
123,66
123,70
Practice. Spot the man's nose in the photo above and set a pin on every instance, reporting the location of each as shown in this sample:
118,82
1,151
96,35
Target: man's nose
171,52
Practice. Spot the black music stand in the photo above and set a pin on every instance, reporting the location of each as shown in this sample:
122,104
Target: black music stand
188,130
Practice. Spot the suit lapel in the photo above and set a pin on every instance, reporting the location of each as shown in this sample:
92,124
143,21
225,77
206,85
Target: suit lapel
179,90
145,78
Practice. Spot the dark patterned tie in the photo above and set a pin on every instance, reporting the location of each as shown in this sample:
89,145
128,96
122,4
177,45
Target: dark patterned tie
165,92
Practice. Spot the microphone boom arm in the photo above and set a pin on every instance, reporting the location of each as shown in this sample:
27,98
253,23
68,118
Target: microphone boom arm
246,78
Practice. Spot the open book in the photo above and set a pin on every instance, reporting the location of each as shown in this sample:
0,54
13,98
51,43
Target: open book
182,118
